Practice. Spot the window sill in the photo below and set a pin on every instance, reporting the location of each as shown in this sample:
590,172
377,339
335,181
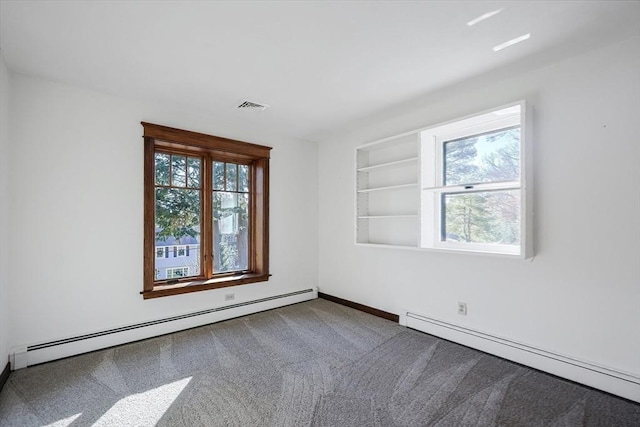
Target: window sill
523,254
203,285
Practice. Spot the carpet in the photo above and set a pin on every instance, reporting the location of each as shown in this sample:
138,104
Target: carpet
310,364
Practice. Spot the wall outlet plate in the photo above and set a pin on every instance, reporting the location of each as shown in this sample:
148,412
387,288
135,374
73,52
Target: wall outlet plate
462,308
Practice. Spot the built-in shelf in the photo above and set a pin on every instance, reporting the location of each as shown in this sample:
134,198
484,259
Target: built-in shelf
388,164
389,187
399,187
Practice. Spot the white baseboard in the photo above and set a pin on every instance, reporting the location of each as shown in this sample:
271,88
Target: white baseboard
48,351
620,383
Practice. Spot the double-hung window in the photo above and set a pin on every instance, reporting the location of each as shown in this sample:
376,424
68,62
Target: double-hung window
473,184
207,199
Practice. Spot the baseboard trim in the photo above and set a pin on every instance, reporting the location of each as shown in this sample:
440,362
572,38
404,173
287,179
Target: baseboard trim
604,378
4,377
72,346
361,307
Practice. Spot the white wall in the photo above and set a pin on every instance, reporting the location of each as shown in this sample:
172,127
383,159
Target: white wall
4,213
77,201
580,296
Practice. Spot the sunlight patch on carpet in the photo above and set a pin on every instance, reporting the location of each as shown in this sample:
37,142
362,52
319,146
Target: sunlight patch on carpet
143,408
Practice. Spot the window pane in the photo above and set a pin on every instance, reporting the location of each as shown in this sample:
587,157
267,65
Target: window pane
486,217
177,213
232,175
493,156
193,171
230,232
218,176
178,170
243,178
162,168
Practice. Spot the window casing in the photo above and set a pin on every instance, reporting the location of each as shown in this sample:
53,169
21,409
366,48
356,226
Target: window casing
187,210
473,183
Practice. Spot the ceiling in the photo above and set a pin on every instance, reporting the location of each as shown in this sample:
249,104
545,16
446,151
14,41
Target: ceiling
320,65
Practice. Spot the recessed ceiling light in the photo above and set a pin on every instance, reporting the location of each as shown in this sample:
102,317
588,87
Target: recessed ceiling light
511,42
483,17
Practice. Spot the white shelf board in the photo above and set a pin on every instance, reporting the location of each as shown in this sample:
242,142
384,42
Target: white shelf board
387,216
387,245
389,187
384,165
412,137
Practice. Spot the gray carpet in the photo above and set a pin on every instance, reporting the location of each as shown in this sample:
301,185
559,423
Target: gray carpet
315,363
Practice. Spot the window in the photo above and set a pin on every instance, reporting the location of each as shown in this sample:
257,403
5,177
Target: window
473,184
231,199
206,204
160,250
177,272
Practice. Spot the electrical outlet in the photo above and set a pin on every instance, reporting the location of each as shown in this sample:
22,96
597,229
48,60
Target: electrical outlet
462,308
229,297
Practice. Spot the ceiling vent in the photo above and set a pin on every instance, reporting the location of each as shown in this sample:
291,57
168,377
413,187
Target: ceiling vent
250,105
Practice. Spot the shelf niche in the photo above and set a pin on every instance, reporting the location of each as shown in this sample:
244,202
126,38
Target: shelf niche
387,212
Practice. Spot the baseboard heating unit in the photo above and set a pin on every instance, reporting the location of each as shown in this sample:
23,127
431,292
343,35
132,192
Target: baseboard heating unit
604,378
21,357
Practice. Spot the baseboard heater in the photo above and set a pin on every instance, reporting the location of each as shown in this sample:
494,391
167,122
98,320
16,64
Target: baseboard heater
21,357
611,380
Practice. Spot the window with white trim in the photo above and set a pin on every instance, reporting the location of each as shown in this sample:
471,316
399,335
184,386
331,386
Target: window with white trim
473,184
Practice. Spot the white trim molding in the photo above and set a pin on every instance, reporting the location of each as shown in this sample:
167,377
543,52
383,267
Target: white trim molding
604,378
36,353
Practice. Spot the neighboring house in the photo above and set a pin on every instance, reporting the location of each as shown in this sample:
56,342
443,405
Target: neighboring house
177,259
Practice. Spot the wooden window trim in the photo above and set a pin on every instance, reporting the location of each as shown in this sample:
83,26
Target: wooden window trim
176,141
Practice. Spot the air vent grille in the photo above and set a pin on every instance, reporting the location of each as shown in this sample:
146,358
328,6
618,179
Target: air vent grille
250,105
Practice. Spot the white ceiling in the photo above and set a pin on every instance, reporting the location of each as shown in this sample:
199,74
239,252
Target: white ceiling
320,64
